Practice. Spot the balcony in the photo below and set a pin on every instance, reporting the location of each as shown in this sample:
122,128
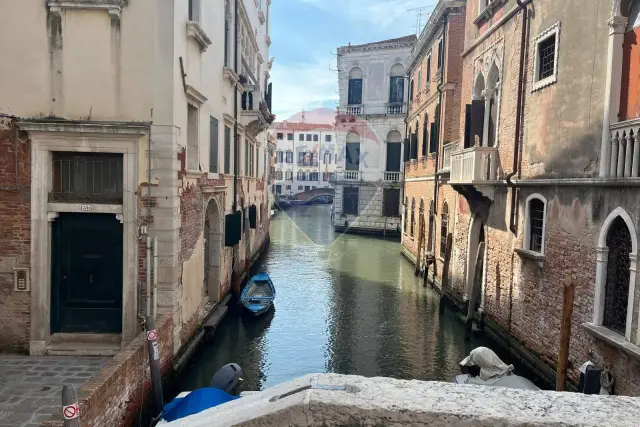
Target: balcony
625,150
474,167
396,108
354,110
256,116
447,150
392,176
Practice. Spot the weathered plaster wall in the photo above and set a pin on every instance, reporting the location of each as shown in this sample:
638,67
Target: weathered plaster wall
563,121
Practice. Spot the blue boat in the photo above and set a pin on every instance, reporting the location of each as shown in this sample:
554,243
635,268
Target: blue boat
258,295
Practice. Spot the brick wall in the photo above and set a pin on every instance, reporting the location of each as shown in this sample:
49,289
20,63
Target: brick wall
15,225
118,395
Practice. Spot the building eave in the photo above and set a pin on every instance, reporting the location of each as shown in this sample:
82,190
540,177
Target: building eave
431,29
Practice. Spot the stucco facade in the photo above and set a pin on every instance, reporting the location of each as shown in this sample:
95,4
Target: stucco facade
370,129
160,84
306,157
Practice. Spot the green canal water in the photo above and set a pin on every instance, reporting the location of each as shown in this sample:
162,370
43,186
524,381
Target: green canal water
345,304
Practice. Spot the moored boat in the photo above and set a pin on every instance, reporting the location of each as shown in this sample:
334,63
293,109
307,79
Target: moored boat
258,295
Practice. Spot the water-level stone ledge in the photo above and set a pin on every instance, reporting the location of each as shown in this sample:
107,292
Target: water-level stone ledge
340,400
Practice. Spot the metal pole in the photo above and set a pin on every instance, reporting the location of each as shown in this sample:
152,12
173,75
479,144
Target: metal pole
155,277
148,293
70,408
154,365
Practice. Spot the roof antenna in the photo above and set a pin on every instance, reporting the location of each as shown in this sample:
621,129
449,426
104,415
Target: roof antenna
419,11
303,116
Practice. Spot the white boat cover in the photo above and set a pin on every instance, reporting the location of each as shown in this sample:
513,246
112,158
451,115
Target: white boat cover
490,364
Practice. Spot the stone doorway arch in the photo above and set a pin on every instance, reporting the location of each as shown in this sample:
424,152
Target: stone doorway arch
212,251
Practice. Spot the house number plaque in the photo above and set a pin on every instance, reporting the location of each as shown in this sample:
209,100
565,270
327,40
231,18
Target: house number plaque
86,208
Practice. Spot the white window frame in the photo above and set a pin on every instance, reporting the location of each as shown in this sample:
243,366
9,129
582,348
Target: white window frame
538,84
601,273
527,227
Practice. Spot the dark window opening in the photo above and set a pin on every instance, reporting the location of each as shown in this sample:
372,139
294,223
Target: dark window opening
396,94
547,57
617,284
280,136
444,229
290,137
227,150
213,145
406,214
87,177
353,156
355,92
350,201
391,202
536,224
413,217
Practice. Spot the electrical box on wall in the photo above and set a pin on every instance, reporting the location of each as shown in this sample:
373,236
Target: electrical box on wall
21,280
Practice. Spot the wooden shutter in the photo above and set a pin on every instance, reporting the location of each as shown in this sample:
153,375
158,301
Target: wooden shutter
406,150
477,121
414,146
467,126
253,216
232,228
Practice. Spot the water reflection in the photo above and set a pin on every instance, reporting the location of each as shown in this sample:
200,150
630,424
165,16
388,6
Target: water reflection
345,304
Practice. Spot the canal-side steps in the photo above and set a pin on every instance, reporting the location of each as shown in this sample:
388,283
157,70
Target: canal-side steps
340,400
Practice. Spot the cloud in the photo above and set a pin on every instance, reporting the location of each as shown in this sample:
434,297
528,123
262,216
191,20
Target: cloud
379,13
304,85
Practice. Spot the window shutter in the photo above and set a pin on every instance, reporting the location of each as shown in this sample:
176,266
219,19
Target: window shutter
467,126
232,228
433,144
406,150
477,121
414,146
253,216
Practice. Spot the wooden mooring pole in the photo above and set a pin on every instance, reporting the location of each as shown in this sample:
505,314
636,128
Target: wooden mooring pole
565,334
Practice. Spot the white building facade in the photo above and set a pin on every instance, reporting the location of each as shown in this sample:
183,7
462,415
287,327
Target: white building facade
371,128
174,97
306,157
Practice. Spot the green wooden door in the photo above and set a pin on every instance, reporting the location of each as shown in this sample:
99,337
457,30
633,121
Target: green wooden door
86,277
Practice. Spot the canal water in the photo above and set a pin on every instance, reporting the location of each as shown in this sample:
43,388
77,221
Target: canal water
345,304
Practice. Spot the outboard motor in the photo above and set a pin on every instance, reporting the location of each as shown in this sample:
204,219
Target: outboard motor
227,378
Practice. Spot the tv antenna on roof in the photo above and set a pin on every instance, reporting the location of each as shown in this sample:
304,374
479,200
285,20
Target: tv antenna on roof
419,11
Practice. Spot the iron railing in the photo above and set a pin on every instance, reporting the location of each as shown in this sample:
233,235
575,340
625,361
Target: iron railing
87,177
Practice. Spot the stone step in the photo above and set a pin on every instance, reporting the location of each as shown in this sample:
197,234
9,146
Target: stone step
83,349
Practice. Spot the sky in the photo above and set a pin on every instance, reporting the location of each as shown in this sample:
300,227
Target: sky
306,33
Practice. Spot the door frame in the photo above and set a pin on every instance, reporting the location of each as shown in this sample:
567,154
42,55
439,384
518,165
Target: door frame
473,242
46,137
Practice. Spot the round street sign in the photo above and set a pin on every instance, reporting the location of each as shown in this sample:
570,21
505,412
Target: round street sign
71,411
152,335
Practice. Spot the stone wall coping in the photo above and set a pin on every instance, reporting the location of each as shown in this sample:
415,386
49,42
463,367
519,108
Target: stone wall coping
612,338
339,400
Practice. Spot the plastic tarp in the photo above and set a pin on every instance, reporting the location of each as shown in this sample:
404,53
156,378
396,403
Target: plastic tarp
489,363
195,402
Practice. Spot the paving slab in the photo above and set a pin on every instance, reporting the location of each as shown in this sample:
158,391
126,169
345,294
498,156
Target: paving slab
31,387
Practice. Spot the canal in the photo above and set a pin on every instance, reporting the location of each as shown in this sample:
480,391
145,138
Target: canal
345,304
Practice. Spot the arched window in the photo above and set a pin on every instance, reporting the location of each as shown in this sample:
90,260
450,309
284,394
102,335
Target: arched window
327,157
444,229
617,259
432,220
394,151
425,135
396,84
300,176
355,86
535,228
616,298
406,214
353,152
413,217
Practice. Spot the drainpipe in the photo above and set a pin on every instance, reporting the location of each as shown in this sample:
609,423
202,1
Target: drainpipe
519,113
155,276
516,141
440,92
235,137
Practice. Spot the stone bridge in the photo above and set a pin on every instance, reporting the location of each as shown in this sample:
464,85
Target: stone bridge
327,400
308,195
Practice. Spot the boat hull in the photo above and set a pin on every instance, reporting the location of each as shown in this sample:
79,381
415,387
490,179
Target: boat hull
258,295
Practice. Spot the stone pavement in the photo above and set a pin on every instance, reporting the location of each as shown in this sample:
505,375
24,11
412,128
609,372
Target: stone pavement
31,387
